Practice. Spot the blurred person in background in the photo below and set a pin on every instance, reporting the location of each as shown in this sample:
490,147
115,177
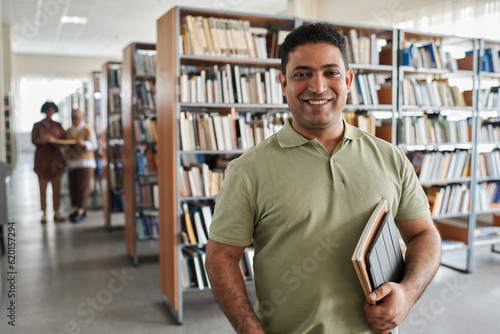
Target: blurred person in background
49,161
81,163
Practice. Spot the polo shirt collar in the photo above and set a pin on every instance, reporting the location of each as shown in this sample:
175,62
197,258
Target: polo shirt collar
288,137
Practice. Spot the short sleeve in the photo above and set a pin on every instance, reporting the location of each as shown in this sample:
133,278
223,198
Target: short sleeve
234,213
414,203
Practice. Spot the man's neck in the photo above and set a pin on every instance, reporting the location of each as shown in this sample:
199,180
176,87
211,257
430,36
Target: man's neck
328,138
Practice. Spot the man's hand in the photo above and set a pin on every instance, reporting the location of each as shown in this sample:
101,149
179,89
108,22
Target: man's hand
392,308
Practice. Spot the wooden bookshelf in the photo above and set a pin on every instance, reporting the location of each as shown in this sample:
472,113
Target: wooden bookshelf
140,170
95,122
111,142
172,154
10,133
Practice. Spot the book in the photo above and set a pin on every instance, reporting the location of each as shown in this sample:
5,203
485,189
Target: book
63,141
378,257
364,242
385,258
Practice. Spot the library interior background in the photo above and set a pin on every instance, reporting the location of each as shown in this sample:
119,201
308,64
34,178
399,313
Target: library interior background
173,92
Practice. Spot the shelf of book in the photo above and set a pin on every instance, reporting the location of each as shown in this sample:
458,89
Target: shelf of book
96,122
222,98
111,143
139,149
439,77
10,133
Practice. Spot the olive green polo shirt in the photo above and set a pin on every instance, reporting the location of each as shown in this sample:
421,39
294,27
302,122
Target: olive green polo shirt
304,211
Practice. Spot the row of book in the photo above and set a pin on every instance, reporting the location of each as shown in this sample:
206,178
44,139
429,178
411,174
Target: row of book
450,199
488,194
115,148
114,101
146,226
193,274
145,130
145,63
146,195
196,220
366,89
489,164
226,132
117,201
490,98
116,175
427,55
212,36
144,94
490,133
115,126
363,122
363,49
451,165
435,93
199,180
491,59
114,76
423,130
230,84
146,160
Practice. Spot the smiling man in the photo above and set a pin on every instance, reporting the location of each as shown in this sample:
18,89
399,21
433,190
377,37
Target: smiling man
303,197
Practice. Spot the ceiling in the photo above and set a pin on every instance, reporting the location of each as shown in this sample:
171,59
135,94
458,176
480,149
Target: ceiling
36,26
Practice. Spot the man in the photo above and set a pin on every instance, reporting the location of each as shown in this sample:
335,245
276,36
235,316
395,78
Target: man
81,163
303,198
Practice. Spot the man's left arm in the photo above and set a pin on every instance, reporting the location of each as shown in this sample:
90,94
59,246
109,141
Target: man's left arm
422,259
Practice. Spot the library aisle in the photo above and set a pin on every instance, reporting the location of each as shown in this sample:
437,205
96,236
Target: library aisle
79,276
78,279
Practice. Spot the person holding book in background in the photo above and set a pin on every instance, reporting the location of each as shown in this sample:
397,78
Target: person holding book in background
81,163
49,161
303,197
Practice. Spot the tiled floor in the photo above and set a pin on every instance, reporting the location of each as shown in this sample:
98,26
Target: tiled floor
79,279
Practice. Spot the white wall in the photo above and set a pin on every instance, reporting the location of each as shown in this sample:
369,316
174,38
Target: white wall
33,65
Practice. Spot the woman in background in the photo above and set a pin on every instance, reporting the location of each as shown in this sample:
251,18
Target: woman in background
49,162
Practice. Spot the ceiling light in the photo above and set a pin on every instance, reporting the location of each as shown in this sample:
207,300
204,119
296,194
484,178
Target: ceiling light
74,19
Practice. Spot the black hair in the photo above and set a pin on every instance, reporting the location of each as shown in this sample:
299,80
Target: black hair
319,32
49,105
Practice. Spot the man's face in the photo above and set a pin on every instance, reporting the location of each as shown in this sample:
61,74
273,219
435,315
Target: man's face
316,86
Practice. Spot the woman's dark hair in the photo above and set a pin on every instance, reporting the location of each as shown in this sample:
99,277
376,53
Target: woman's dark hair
49,105
319,32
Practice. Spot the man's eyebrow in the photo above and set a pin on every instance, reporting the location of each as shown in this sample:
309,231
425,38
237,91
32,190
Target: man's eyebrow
309,68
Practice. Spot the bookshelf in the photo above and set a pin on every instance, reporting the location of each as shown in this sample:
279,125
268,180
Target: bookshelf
139,148
185,112
440,122
488,106
112,142
10,133
96,122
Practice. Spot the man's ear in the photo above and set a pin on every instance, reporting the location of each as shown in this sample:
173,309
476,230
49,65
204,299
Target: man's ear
282,79
349,77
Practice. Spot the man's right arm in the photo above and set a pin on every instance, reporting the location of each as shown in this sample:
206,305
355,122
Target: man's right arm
228,286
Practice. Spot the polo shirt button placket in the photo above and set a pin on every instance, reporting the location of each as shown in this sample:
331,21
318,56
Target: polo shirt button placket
332,171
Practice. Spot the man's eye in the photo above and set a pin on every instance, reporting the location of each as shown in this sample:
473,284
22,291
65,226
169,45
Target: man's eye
299,75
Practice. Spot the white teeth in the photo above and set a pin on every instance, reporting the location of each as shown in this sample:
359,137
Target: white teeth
318,102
